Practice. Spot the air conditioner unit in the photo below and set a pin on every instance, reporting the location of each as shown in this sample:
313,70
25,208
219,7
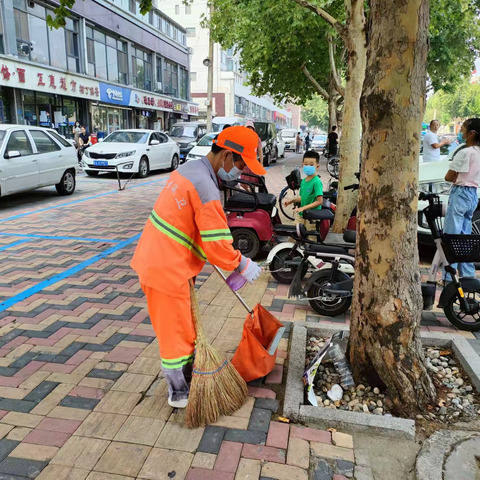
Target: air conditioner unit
159,86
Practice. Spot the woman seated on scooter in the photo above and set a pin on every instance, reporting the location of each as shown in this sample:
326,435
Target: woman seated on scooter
311,188
464,173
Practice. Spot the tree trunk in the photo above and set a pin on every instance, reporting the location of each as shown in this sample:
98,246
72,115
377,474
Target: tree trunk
332,104
387,304
352,127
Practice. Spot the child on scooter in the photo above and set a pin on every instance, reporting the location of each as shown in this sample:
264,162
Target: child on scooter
311,189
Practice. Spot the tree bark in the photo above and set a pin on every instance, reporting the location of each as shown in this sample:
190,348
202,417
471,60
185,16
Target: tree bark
332,104
387,304
352,127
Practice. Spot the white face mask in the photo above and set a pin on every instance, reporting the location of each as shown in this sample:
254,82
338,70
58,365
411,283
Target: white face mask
234,174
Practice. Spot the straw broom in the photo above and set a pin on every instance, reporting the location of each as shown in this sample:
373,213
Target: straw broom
217,388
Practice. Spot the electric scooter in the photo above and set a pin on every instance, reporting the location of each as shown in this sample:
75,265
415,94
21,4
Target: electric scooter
460,298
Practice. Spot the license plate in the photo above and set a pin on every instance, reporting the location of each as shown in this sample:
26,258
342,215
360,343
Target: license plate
100,163
287,145
182,156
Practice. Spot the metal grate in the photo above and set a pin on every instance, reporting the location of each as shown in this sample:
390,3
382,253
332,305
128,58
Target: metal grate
461,248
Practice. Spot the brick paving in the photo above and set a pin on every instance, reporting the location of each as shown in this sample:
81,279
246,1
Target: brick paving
81,392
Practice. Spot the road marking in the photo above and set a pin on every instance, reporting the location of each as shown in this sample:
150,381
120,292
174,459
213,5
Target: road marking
53,237
14,244
19,297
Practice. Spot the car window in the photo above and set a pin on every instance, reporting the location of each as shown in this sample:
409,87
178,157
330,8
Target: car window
154,136
43,142
127,137
287,134
162,137
18,141
60,139
207,140
262,130
183,131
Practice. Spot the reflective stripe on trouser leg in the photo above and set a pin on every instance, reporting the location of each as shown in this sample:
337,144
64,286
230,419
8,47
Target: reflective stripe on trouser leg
171,319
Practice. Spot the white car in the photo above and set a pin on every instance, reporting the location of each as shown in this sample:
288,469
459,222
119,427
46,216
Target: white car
319,142
132,151
35,157
202,147
289,136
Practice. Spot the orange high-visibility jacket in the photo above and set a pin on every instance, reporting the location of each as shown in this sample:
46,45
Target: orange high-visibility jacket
187,226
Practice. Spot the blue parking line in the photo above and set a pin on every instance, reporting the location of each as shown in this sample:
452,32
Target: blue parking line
14,244
53,237
21,215
67,273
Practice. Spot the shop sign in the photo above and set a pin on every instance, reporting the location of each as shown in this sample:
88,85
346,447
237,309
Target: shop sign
20,75
156,102
114,94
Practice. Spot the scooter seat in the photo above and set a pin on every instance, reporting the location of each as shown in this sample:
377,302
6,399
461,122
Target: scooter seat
319,248
318,215
266,201
350,236
280,229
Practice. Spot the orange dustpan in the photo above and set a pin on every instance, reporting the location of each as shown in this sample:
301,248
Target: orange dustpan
257,351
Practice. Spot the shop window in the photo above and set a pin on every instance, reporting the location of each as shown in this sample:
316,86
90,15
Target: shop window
170,78
107,57
19,142
142,69
183,84
43,142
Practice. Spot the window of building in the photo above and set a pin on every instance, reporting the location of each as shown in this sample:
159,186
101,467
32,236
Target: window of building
184,39
193,76
132,6
167,27
158,75
142,69
223,61
38,43
2,51
188,9
183,84
177,9
191,32
170,79
107,57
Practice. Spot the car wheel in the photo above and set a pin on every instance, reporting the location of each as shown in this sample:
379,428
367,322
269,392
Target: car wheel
175,162
143,168
67,183
275,158
266,160
91,173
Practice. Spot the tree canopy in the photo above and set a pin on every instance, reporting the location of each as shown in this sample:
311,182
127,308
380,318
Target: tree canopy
315,113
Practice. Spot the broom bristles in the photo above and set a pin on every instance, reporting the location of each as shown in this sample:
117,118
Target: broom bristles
217,388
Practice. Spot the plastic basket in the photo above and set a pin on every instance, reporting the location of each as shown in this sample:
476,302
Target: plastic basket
294,180
461,248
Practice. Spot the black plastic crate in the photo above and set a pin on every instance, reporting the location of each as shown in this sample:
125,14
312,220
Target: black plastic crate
461,248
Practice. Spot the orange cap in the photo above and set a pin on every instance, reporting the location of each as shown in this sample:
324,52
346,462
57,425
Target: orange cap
243,141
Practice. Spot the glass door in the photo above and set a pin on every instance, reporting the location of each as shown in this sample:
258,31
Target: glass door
113,119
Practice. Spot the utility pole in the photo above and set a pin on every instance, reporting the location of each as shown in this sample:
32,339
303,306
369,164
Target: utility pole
210,76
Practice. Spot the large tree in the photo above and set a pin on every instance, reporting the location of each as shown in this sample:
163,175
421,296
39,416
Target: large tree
385,326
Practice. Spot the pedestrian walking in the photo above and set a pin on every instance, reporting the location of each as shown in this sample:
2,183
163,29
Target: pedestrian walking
431,144
187,227
464,173
76,130
298,143
307,142
332,141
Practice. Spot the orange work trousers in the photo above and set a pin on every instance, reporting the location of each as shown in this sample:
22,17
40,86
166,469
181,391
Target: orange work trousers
171,319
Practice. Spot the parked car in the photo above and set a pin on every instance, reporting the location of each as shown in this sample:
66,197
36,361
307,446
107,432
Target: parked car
202,147
219,122
35,157
432,179
187,134
289,136
267,132
319,142
280,146
132,151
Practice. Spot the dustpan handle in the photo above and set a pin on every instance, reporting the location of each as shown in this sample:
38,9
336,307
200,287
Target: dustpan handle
240,299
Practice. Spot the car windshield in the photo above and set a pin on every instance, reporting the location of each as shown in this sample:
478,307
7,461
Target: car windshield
320,138
288,134
127,137
262,130
183,131
206,141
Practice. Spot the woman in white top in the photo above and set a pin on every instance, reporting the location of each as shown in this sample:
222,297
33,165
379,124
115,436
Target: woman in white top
464,173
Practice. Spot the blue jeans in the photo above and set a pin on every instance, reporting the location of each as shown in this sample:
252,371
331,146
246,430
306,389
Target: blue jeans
461,205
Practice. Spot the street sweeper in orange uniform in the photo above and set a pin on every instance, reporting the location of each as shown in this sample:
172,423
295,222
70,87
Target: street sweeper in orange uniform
186,228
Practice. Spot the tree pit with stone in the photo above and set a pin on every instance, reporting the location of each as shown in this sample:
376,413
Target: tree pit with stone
456,399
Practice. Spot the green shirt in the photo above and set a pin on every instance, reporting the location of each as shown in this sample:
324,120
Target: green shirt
310,190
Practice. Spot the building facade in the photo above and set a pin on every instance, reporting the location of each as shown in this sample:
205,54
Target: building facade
231,97
109,68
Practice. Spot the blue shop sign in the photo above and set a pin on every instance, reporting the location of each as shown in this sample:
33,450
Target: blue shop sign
114,94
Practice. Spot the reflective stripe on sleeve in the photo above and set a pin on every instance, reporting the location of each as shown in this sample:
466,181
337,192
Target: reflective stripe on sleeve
215,235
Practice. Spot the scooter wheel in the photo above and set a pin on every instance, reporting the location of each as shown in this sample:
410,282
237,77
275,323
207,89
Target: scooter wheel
285,274
457,316
328,308
246,241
